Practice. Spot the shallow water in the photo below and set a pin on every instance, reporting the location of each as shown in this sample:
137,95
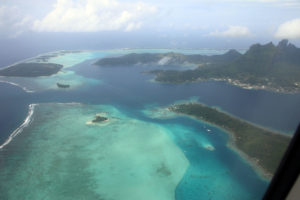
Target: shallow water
138,154
60,157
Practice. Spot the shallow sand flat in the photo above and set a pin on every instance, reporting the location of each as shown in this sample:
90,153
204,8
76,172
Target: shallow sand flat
71,59
158,113
60,157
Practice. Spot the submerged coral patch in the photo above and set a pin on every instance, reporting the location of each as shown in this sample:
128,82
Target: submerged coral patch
62,158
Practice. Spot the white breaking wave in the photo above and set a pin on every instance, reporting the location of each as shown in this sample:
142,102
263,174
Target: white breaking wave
15,84
20,128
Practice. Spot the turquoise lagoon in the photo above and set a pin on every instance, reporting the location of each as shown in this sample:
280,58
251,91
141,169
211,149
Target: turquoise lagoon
60,156
138,153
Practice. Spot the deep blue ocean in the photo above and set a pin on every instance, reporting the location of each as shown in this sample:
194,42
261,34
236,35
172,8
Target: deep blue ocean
130,87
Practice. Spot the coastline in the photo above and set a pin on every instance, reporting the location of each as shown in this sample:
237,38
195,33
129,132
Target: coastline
232,82
257,87
274,131
96,123
26,122
262,171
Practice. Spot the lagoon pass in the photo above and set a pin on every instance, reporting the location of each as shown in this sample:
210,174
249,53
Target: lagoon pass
110,135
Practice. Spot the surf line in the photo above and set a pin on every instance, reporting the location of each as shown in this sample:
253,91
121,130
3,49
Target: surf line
20,128
17,85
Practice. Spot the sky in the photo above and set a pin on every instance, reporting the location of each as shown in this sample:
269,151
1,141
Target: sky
100,24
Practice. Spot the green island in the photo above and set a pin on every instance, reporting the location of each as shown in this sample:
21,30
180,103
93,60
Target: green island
31,70
166,59
264,148
60,85
269,67
99,118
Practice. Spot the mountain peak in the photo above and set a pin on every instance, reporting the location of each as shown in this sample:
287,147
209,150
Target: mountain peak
283,43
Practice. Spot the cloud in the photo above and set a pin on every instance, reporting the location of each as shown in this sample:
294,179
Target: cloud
13,22
94,15
289,30
232,31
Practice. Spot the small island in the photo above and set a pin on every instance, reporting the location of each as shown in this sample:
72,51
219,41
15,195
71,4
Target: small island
45,58
31,70
99,119
60,85
263,148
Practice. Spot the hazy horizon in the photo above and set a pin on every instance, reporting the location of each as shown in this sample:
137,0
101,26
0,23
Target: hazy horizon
33,27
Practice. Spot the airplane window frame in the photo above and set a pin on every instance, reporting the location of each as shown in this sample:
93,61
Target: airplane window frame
287,172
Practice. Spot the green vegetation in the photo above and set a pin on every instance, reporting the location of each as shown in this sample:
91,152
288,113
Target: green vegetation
99,119
262,66
267,66
60,85
262,146
31,69
166,59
